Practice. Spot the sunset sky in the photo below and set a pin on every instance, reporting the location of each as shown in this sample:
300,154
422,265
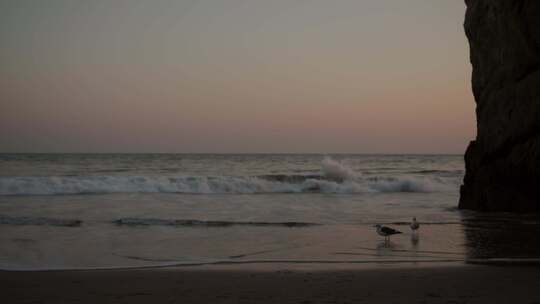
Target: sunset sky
379,76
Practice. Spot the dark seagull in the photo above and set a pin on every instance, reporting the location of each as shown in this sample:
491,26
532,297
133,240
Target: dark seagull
386,231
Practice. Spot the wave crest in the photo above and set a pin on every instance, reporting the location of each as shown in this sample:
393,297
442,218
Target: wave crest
335,170
218,185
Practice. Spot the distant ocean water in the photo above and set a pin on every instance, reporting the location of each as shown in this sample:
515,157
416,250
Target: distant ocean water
62,211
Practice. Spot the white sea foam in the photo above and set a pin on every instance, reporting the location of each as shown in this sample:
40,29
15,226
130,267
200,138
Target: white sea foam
213,185
336,177
336,170
413,184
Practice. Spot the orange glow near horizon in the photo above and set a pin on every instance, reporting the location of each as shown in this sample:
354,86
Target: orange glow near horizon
245,76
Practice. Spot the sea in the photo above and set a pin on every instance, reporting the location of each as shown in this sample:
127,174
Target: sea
102,211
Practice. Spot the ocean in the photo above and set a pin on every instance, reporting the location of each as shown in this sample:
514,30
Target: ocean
88,211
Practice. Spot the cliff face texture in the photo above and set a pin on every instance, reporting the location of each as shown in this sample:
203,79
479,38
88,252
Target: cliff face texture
503,163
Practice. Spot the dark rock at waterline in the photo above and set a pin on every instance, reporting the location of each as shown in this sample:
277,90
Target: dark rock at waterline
503,163
201,223
39,221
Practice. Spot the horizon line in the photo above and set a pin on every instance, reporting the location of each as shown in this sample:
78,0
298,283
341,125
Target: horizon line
247,153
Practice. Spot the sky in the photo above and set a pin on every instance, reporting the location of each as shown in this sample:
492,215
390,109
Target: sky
235,76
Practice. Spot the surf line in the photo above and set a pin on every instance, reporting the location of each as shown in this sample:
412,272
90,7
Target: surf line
413,251
384,255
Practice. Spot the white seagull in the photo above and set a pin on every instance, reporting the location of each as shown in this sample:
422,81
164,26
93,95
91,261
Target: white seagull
386,231
414,225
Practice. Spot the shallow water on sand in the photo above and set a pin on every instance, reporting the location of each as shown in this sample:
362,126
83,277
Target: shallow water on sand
317,230
99,211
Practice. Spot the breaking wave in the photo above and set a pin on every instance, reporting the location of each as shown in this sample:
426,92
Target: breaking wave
57,185
334,170
334,177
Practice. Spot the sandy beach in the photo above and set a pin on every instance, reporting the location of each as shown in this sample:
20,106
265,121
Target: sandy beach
279,283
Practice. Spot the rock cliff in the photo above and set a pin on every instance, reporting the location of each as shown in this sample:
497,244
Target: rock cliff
503,163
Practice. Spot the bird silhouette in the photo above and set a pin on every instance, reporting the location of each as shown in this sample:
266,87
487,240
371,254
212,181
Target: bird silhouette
414,225
386,231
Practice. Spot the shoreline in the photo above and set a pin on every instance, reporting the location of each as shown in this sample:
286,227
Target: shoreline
316,265
279,283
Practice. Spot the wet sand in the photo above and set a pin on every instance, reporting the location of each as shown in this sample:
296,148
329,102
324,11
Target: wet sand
279,283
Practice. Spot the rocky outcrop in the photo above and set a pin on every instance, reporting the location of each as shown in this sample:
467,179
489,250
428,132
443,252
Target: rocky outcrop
503,163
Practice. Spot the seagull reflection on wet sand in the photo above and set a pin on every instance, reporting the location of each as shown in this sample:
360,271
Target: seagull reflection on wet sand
497,238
